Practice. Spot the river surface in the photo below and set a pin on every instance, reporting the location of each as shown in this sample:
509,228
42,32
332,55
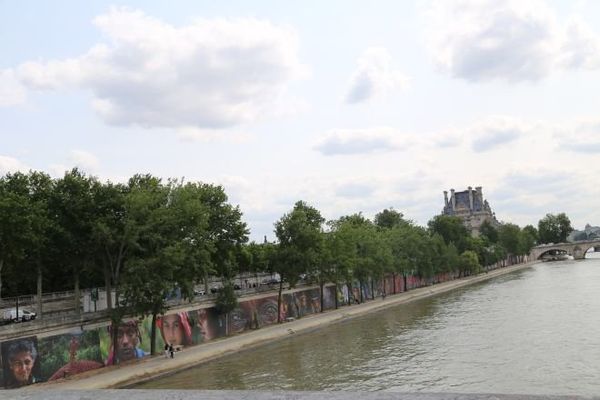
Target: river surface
535,331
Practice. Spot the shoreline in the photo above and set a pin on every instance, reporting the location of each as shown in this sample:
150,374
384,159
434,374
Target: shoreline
127,375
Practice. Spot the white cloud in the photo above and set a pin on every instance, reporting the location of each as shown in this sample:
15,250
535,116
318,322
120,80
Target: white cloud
84,160
493,132
523,197
12,91
191,133
486,134
374,76
507,40
11,165
580,136
581,46
355,189
208,74
360,141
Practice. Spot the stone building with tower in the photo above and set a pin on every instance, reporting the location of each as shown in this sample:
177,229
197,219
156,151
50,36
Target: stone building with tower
470,206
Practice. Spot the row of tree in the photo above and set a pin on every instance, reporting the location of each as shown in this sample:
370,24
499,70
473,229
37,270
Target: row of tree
141,239
356,249
146,238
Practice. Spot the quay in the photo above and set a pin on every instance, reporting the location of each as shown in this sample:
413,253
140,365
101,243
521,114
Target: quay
129,374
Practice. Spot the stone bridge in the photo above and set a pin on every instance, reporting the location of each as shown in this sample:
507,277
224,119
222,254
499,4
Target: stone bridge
575,249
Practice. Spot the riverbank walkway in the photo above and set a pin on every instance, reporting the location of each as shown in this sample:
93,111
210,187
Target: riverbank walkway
128,374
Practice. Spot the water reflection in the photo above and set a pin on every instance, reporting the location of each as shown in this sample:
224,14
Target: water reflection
535,331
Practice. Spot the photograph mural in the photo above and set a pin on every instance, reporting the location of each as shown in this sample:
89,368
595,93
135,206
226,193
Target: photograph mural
253,314
70,354
31,359
133,341
189,328
21,363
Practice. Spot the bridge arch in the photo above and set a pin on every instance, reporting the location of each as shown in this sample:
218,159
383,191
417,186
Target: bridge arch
575,249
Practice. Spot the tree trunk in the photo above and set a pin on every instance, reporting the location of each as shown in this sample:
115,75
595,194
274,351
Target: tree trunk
115,341
279,301
1,266
336,295
405,282
360,287
153,335
372,289
76,301
394,283
108,288
39,290
350,293
206,282
322,295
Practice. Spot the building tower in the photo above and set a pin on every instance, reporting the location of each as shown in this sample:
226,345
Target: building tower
469,206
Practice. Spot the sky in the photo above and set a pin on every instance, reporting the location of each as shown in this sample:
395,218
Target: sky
351,106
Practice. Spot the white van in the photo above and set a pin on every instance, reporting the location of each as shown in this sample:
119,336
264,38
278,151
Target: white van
24,315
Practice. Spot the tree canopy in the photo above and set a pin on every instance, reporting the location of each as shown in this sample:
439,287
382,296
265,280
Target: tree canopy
554,228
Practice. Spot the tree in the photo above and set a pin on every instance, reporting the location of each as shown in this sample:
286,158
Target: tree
389,218
554,228
149,277
469,264
226,302
72,205
227,230
488,231
450,228
300,241
526,242
508,237
14,222
532,232
42,228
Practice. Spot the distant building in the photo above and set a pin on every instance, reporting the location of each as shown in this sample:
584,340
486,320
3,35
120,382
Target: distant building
589,233
470,206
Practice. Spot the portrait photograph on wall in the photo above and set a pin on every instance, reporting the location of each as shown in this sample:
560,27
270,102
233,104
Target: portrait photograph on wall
20,362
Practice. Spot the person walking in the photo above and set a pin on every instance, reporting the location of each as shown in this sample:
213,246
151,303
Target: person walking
166,350
171,350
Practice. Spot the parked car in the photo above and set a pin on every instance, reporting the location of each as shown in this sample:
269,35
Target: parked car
199,292
236,286
270,281
24,315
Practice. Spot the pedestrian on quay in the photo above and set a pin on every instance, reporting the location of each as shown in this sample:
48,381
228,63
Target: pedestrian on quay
171,350
166,350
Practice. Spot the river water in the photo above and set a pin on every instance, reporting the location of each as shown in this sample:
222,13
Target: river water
535,331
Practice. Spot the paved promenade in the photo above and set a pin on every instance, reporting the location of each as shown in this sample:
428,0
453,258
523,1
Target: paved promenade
120,376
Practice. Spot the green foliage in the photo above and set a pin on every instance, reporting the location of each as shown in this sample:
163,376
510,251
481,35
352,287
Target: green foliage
389,218
262,256
226,300
489,232
508,237
300,238
450,228
469,263
527,240
532,232
54,351
554,228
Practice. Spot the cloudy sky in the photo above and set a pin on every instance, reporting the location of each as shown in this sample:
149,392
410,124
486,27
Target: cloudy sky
349,105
